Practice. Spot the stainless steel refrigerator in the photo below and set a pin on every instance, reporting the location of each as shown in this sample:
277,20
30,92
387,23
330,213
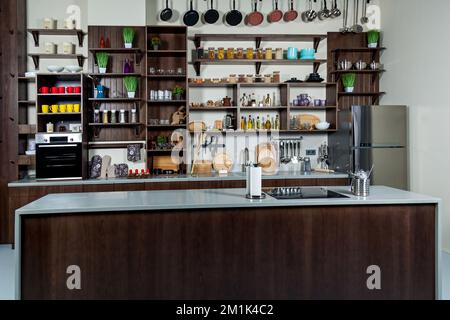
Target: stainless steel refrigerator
373,135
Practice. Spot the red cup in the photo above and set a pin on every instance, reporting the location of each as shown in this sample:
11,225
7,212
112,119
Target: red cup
70,89
61,90
77,89
55,90
44,90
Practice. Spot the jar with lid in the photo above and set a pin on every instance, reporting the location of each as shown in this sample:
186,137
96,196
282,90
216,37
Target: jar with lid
105,116
133,116
259,54
230,53
220,53
211,53
232,78
50,127
122,116
96,116
268,53
276,77
267,78
249,78
258,78
279,54
240,53
249,53
113,116
241,78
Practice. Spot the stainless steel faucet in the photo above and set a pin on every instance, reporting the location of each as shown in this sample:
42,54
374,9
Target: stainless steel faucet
246,159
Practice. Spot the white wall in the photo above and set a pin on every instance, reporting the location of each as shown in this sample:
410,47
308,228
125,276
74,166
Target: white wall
416,60
117,12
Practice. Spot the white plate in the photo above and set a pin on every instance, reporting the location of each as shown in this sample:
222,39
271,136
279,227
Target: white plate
74,69
55,69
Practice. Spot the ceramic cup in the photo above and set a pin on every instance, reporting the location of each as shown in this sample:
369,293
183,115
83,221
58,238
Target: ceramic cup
62,108
54,108
317,102
70,108
76,108
45,108
61,90
55,90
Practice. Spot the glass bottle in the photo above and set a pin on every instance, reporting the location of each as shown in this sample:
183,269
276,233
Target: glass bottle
133,116
258,123
105,116
259,54
268,125
242,123
277,122
268,53
113,116
250,123
249,53
230,53
96,116
268,101
122,116
211,53
220,53
240,53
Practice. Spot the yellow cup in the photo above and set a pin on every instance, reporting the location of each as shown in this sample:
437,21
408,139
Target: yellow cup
45,108
54,108
70,108
62,108
76,108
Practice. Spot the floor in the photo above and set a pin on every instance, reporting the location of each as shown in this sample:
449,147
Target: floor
7,274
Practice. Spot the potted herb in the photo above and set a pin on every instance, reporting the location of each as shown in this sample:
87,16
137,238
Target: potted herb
178,92
348,80
102,61
372,38
131,84
156,41
128,37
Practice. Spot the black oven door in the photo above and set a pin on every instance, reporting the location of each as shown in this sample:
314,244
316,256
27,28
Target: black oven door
58,161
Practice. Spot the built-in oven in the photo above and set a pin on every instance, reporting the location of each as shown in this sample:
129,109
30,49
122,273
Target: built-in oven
59,156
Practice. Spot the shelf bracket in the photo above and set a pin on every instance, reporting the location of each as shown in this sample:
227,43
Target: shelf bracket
80,60
35,35
197,42
97,131
316,43
80,35
316,67
197,66
35,61
258,42
258,67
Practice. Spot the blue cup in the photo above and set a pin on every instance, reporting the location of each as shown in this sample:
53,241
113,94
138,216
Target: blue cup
307,54
100,92
292,53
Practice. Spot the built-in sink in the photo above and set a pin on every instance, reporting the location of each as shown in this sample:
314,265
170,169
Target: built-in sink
287,193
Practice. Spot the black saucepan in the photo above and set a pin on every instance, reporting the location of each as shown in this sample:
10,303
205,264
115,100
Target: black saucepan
233,17
167,13
191,17
212,15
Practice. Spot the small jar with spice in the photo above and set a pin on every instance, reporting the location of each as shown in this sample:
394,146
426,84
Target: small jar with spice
279,54
105,116
211,53
122,118
249,54
268,53
232,78
267,78
241,78
249,78
230,53
240,53
259,54
258,78
276,78
220,53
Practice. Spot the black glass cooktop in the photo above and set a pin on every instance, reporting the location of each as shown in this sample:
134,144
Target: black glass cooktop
302,193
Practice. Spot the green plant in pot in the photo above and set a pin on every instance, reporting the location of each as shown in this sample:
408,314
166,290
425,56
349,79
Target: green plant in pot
102,61
373,36
131,84
156,41
178,92
128,37
348,80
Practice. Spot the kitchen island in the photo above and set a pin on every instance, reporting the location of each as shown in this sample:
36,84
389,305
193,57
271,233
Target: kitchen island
216,244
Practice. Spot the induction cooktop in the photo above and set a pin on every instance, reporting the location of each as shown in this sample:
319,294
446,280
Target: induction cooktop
285,193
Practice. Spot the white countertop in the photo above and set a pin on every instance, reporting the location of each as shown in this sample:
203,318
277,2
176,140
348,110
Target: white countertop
203,199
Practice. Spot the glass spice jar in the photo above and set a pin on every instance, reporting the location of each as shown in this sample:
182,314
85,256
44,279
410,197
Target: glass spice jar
279,54
249,53
259,54
211,53
230,53
276,78
106,116
249,78
267,78
220,53
258,78
241,78
268,53
240,53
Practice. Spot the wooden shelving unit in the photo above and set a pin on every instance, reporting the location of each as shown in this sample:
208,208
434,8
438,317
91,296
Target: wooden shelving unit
36,33
38,56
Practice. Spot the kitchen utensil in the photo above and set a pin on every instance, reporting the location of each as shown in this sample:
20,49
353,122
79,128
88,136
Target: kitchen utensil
292,53
254,18
191,17
375,65
364,18
167,13
294,158
276,15
345,27
203,167
290,15
345,65
322,126
360,65
323,170
304,100
212,15
324,13
311,14
234,17
335,12
356,28
74,69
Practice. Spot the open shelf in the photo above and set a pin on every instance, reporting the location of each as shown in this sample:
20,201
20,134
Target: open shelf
211,109
166,52
27,102
113,75
166,76
26,129
110,100
115,124
29,79
258,38
57,32
59,94
361,49
38,56
116,50
262,108
59,114
166,126
312,108
25,160
358,71
166,101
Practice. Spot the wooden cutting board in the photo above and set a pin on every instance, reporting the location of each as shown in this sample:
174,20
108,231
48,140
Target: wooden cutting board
164,163
222,162
304,118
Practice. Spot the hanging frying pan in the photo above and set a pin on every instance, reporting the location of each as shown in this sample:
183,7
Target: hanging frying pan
191,17
167,13
276,15
212,15
254,18
233,17
290,15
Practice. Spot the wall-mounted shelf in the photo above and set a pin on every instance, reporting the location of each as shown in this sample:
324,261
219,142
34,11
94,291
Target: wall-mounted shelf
258,38
211,109
38,56
26,129
99,126
167,76
26,102
197,63
66,114
57,32
137,52
262,108
361,49
167,52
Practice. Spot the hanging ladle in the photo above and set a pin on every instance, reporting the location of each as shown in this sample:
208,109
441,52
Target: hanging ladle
324,13
357,28
345,28
364,18
311,14
335,12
